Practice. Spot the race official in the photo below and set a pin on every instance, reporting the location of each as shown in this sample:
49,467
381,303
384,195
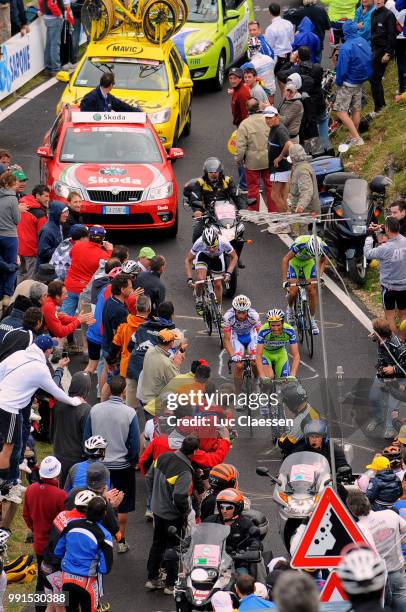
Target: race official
100,100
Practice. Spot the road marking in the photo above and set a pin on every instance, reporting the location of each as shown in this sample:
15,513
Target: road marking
221,364
329,283
27,98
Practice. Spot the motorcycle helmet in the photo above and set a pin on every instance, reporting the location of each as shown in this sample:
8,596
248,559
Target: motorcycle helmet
130,267
212,164
223,476
275,315
241,303
210,236
315,428
313,244
254,44
95,447
379,183
83,498
361,570
97,231
231,497
293,395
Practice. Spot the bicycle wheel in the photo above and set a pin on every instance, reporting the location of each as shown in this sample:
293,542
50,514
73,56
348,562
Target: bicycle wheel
207,318
247,389
183,13
299,316
307,328
217,319
97,18
160,20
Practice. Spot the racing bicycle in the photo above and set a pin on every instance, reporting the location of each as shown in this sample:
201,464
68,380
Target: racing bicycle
212,316
248,382
303,319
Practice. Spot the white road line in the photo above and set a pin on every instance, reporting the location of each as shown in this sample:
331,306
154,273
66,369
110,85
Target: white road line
329,283
27,98
221,364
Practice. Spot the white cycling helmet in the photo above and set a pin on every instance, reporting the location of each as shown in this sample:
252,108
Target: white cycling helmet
130,267
313,244
275,315
241,303
361,570
95,446
210,236
83,498
254,43
4,536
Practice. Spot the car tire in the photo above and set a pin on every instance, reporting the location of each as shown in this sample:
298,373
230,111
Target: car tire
219,79
172,232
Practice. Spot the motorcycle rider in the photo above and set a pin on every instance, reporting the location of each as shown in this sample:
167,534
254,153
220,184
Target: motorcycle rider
201,192
230,505
316,441
295,400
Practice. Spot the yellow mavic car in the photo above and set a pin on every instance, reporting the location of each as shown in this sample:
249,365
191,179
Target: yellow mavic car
214,37
152,76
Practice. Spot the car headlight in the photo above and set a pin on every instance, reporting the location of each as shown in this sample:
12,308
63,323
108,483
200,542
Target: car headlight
63,190
161,116
200,47
161,192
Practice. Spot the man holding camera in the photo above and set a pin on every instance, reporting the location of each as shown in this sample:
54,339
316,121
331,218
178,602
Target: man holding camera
391,253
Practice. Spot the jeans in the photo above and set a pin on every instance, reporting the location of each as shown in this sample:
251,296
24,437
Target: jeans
322,124
378,70
253,182
160,542
400,52
242,180
70,303
8,252
52,54
395,590
381,400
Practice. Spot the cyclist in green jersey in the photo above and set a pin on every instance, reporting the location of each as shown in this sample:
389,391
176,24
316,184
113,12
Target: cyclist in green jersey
274,337
300,263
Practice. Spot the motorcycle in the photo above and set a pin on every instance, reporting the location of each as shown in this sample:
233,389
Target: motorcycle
206,567
302,478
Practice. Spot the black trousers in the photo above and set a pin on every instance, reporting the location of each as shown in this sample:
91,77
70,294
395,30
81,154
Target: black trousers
160,542
378,70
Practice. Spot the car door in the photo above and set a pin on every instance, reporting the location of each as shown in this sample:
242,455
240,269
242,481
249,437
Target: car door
46,165
186,92
236,28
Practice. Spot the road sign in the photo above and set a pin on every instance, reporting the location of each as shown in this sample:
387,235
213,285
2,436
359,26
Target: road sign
333,590
330,528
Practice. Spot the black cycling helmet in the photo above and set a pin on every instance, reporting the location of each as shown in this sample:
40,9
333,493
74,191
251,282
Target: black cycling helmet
379,183
293,395
213,164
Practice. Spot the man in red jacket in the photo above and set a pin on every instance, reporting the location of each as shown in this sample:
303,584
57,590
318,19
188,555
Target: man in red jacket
28,229
240,93
43,501
85,258
57,323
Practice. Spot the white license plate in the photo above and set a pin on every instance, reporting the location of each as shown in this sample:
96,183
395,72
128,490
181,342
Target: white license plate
116,210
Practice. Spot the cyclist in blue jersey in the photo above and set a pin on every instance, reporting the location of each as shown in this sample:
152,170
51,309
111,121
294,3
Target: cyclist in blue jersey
274,338
95,450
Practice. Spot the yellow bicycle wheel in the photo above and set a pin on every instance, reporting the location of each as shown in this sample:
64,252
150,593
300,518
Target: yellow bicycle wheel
160,20
183,13
97,18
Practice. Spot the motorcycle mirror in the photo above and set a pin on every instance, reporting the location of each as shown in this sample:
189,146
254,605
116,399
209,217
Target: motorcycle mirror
262,471
343,148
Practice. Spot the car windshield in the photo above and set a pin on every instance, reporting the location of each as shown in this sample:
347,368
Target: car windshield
110,144
202,11
132,74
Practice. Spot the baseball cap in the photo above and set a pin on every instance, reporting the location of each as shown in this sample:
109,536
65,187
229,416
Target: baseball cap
221,602
78,231
270,111
50,467
402,435
146,253
167,335
20,175
45,342
236,72
379,463
97,476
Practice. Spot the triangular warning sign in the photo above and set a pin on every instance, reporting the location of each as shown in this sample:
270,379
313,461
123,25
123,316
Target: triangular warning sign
333,590
330,528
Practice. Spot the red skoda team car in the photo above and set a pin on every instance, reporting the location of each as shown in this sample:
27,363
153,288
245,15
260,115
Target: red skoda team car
118,165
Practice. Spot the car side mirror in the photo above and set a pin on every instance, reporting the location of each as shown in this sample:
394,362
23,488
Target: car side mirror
175,153
44,152
184,83
231,15
63,76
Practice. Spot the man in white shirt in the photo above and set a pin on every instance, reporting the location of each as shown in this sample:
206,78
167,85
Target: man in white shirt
279,36
388,530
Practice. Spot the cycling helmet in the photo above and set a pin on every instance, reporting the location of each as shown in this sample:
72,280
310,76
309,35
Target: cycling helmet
210,236
254,44
241,303
275,315
223,476
97,230
4,536
379,183
212,164
315,428
293,395
130,267
95,446
115,272
361,570
313,244
83,498
233,498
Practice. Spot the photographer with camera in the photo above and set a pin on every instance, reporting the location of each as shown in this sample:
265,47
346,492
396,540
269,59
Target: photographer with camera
391,365
391,254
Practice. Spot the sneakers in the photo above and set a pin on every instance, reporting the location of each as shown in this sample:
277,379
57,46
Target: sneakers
372,425
356,142
290,316
149,515
199,308
23,467
14,495
154,584
315,329
123,547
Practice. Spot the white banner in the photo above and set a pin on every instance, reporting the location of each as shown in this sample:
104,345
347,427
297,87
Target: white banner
22,58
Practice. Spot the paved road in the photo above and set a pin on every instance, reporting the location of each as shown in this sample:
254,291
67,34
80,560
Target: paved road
347,341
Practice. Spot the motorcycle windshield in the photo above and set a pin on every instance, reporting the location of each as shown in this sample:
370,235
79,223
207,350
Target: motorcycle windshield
355,198
206,536
225,212
303,472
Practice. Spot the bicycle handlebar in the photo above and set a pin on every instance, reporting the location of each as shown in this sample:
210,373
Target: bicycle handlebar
205,280
303,283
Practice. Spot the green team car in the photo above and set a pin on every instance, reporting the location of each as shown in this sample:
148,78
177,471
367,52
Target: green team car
214,37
